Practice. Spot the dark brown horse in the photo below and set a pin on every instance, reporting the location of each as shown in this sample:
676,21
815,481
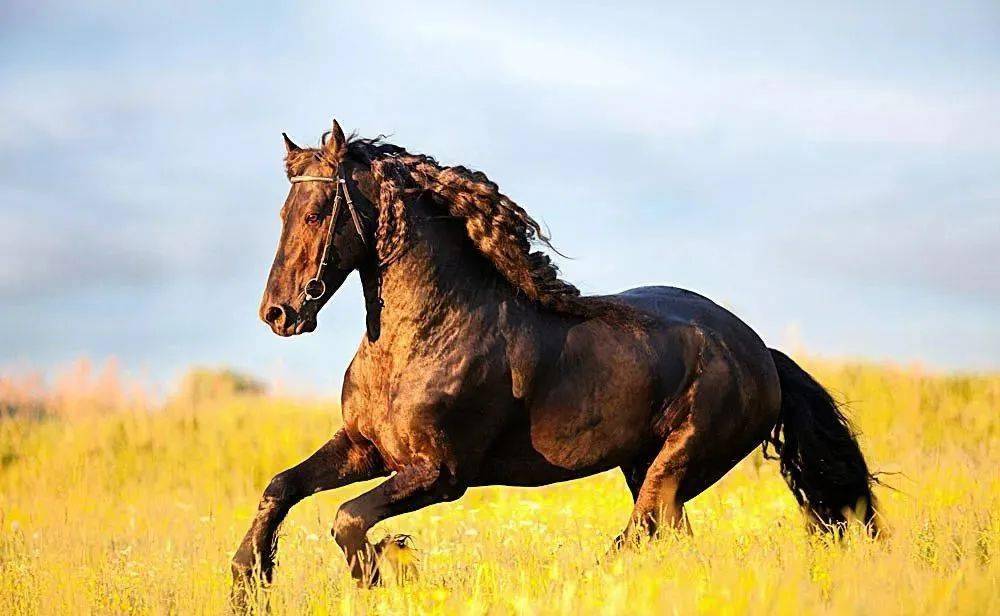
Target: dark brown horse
481,367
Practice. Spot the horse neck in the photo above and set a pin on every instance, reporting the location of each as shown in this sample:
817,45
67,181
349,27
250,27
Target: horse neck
439,280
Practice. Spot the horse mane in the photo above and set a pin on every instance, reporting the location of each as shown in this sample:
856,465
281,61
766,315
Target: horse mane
500,229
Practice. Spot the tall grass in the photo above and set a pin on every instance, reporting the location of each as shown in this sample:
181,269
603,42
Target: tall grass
113,501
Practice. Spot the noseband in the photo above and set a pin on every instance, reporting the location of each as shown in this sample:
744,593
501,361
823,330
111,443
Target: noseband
316,288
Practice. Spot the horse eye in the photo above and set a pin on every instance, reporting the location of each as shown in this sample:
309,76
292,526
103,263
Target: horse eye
312,218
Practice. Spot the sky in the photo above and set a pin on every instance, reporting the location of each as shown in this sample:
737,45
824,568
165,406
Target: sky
830,173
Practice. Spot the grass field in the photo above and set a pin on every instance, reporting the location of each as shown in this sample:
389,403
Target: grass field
111,503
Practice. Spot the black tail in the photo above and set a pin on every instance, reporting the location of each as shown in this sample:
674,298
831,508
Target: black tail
820,457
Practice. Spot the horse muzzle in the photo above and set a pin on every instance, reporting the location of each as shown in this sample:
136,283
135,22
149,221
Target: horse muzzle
285,321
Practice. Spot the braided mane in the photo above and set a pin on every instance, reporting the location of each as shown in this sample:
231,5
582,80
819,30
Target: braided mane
500,229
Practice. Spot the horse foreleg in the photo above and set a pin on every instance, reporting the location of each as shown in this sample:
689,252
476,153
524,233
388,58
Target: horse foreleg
339,462
410,489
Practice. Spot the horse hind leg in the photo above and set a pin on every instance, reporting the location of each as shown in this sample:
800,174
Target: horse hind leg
710,434
657,502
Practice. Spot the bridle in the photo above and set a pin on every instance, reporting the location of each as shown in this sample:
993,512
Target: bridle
371,282
316,288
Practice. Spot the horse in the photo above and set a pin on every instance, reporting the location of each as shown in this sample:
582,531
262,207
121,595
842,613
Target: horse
481,367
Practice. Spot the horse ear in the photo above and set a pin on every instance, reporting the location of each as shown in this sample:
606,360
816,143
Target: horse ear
337,140
289,144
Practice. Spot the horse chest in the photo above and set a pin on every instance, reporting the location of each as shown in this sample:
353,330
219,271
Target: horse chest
415,408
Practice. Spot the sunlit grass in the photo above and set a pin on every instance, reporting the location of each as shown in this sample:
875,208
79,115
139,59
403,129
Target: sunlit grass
111,503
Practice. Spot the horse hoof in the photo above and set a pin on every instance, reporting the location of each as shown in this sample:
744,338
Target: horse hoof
242,594
248,583
372,580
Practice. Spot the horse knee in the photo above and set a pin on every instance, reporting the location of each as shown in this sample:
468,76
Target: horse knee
453,491
282,488
349,527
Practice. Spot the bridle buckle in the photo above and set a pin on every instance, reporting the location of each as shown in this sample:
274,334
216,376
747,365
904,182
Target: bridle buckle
315,289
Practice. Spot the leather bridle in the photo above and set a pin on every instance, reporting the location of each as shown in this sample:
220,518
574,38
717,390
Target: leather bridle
371,281
316,288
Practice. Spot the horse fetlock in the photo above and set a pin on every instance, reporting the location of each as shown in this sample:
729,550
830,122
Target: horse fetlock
247,568
242,571
348,528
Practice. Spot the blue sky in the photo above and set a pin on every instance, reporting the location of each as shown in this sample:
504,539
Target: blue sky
832,174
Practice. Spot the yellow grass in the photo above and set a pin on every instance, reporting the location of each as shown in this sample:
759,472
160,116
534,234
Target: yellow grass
110,503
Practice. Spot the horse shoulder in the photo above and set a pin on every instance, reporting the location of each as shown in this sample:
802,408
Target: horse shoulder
439,394
358,394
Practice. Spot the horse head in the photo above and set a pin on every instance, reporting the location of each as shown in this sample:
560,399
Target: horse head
326,234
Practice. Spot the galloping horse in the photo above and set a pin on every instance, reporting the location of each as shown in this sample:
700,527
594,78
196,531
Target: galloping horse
481,367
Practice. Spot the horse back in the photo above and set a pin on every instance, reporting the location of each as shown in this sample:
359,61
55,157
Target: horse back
604,391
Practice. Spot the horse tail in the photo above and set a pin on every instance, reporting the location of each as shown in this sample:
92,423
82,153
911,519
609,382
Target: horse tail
820,458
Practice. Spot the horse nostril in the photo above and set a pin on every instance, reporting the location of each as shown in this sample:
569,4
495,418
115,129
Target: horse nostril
274,315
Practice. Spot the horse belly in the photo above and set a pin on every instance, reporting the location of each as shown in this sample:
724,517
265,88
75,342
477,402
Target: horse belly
589,437
597,412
